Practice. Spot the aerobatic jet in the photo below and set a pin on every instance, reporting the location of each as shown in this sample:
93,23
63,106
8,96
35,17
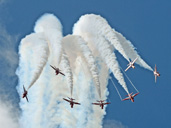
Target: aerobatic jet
57,70
156,74
131,64
25,93
71,101
101,103
131,97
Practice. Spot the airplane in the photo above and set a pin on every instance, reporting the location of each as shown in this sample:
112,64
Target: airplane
71,101
57,70
25,93
156,74
131,64
100,103
131,97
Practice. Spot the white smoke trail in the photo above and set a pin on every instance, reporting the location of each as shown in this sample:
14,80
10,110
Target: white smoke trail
87,54
111,60
33,57
92,30
92,23
83,81
130,51
100,26
43,97
52,29
67,70
91,63
84,68
34,47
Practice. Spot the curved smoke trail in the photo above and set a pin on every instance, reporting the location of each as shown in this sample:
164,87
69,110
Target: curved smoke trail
51,27
85,61
97,25
81,62
67,70
43,99
87,54
34,47
84,28
130,51
91,63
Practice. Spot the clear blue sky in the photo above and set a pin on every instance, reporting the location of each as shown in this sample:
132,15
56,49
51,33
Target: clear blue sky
146,23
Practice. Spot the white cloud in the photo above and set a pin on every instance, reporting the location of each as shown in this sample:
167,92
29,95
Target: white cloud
8,52
113,124
8,65
8,115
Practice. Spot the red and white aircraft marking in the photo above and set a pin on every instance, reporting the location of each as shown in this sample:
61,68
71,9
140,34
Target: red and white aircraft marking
71,101
131,65
156,74
100,103
131,97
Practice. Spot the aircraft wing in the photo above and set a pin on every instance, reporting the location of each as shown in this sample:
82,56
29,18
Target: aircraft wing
67,100
76,103
127,68
71,98
130,94
96,103
106,103
53,67
135,60
27,99
135,94
24,88
62,73
155,78
126,99
155,68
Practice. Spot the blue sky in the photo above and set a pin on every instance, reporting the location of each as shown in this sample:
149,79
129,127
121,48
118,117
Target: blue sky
146,24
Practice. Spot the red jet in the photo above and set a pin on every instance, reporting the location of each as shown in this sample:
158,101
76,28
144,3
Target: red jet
71,101
57,70
156,74
25,93
100,103
131,64
131,97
